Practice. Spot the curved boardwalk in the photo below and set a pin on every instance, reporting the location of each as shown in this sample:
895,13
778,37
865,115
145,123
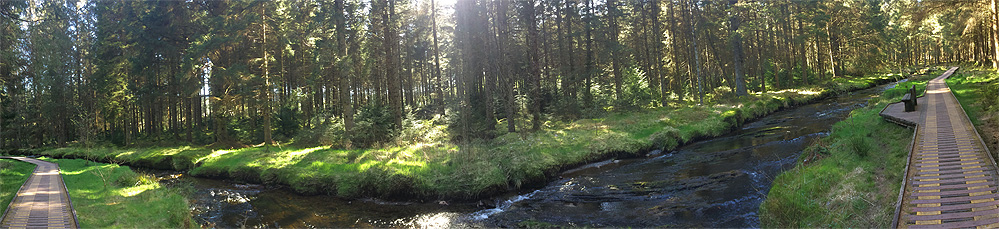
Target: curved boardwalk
42,201
951,179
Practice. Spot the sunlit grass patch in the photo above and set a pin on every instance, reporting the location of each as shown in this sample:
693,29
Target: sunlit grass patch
112,196
13,174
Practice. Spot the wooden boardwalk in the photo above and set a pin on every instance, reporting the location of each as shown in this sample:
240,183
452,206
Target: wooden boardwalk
42,202
951,178
895,113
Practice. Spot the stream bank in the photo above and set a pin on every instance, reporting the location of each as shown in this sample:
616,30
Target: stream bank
848,179
717,182
449,172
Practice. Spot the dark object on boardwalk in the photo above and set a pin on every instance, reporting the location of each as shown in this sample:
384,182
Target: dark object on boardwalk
910,99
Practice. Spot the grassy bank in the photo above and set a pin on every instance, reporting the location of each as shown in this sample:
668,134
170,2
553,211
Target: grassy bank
112,196
448,171
978,91
850,178
13,173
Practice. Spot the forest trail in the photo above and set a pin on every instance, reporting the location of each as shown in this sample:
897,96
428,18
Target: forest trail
42,201
951,178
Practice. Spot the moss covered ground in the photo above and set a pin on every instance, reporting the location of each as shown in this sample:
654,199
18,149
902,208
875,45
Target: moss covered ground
441,170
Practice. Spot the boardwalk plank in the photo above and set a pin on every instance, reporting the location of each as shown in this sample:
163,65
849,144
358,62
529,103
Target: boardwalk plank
951,178
42,200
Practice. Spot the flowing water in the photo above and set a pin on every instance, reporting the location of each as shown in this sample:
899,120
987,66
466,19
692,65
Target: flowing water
713,183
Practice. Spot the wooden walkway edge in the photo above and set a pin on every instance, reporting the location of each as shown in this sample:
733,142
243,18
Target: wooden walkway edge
951,179
42,202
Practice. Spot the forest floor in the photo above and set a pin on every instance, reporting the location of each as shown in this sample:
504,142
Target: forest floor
852,177
443,170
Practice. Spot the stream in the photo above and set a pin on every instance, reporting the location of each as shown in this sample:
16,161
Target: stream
719,182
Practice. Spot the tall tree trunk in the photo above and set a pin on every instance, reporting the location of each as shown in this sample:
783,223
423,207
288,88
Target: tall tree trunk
587,94
615,30
570,75
760,71
697,55
656,53
995,34
646,56
268,139
190,119
343,69
392,66
803,55
832,47
676,52
535,72
438,77
509,80
736,41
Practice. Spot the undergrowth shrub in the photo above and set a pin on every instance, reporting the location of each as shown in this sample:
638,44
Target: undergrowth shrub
129,178
470,124
719,93
372,124
328,131
635,92
990,95
415,130
287,123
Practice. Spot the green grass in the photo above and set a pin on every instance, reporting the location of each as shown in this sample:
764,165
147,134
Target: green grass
112,196
449,171
850,178
13,173
976,89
